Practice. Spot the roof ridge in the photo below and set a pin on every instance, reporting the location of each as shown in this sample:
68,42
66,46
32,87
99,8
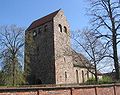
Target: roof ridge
48,15
43,20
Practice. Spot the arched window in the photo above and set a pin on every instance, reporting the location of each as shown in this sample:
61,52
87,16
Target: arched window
37,50
65,76
83,80
87,74
60,27
38,81
77,78
64,59
45,28
34,33
39,30
65,29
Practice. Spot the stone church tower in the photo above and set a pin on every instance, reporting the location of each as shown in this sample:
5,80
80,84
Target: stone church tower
48,58
47,42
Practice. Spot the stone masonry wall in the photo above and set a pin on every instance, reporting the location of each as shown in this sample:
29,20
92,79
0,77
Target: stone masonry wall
82,77
39,54
64,70
108,89
61,39
45,59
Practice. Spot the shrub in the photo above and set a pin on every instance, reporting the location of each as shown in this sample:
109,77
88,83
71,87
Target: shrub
91,81
105,79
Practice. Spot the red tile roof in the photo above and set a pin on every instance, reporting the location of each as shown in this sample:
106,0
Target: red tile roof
42,20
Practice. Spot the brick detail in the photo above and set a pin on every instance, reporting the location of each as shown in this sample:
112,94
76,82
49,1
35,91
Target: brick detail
63,90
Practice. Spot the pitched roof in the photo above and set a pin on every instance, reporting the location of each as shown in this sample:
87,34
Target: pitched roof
42,20
79,60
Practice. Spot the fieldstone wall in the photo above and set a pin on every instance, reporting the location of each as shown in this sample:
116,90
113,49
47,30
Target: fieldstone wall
83,74
64,70
39,54
63,58
61,38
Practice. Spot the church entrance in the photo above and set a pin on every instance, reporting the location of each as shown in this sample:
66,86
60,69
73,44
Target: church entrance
38,81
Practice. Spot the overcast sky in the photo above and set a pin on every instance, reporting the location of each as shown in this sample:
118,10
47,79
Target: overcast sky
23,12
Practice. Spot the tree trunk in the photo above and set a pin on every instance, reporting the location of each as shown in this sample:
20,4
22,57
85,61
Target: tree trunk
96,78
114,42
14,71
116,63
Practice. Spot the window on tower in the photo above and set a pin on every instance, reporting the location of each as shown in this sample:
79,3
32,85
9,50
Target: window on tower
45,28
39,30
60,27
37,50
34,33
65,29
65,76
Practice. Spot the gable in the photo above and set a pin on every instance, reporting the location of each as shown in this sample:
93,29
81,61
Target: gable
42,20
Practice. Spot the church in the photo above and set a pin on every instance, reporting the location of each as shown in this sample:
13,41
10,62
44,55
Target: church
49,58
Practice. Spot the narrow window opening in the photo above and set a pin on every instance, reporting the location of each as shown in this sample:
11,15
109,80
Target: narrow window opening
64,59
65,29
83,80
34,33
39,30
60,27
37,51
77,77
45,28
65,76
88,75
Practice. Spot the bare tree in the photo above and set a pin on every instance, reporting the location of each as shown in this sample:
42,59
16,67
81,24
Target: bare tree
12,41
106,21
96,51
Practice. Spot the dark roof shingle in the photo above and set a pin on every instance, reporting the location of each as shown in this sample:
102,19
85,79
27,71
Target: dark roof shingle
42,20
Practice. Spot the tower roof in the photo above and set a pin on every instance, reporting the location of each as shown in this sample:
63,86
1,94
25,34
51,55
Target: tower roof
42,20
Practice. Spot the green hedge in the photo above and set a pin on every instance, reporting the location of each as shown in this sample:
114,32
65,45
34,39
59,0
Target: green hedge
103,80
